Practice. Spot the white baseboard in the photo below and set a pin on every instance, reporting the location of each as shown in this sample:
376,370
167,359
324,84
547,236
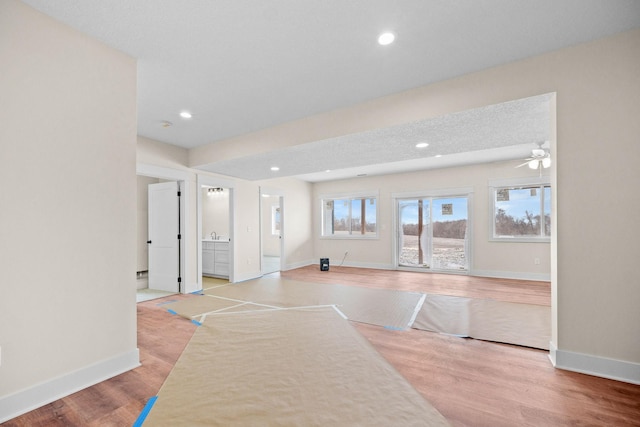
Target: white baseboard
612,369
39,395
373,266
511,275
300,264
480,273
244,277
345,264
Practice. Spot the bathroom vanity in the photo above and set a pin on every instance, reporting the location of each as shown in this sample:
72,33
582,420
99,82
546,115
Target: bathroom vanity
215,258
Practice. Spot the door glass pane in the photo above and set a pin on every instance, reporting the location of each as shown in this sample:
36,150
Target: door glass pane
450,234
414,250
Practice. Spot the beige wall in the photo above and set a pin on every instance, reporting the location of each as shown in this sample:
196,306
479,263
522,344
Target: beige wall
297,216
215,213
158,153
71,131
594,279
68,217
488,258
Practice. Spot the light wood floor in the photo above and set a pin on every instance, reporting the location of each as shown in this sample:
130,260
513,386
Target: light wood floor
522,291
471,382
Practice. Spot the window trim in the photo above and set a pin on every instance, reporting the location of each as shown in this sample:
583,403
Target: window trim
323,198
496,185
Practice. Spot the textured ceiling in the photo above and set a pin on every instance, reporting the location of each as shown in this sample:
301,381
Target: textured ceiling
244,65
497,132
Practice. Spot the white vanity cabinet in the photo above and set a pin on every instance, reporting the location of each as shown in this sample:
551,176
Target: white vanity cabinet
215,258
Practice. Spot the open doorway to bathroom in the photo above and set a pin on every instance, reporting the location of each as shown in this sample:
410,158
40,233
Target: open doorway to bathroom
215,232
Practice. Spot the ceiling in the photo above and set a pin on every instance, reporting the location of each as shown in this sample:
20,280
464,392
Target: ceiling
244,65
496,132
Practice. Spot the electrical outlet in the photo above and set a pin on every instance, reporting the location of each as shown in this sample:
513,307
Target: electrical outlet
248,260
536,261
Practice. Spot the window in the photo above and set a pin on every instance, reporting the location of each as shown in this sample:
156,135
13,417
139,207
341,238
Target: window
522,212
351,217
275,220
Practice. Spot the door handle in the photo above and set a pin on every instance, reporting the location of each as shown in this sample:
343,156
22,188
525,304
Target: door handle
148,242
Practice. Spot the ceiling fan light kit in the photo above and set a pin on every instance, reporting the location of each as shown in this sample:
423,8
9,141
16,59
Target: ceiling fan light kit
540,158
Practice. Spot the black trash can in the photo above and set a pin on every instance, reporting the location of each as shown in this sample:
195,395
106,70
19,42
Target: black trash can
324,264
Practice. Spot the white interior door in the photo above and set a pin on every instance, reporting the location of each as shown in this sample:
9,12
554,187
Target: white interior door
164,244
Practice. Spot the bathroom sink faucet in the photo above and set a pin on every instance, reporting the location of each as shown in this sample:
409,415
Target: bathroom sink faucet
214,236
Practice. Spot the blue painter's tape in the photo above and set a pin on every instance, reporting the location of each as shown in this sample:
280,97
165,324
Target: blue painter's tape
145,411
195,322
394,328
197,293
171,311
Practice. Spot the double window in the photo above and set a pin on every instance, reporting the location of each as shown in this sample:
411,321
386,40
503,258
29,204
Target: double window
522,212
350,217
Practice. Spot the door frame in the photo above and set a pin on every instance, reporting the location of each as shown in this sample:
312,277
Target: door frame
213,181
182,178
449,192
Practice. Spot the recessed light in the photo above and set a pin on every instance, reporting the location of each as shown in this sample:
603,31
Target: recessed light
422,145
438,155
185,114
166,124
328,170
386,38
275,168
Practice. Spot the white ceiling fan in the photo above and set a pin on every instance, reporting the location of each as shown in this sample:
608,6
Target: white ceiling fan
540,158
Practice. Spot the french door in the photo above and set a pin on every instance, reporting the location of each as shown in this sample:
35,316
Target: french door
432,233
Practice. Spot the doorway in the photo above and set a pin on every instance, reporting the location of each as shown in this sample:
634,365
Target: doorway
433,233
271,230
151,175
215,231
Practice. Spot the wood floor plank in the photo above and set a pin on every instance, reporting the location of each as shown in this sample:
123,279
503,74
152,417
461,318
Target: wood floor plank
118,401
471,382
508,290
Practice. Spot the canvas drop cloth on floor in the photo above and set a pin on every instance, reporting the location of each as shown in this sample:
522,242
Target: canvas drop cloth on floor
507,322
382,307
298,367
199,305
